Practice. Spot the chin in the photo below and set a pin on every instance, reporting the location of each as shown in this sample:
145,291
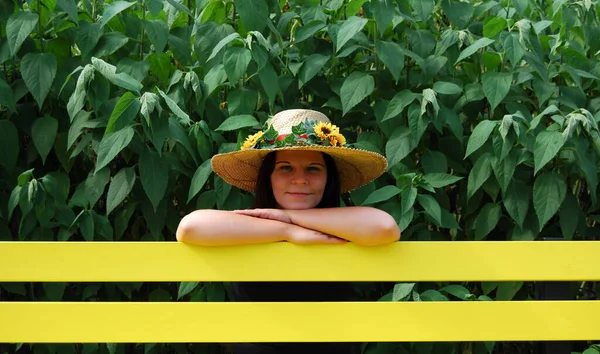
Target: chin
298,205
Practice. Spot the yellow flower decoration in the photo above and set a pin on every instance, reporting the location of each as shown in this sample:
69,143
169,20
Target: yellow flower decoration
337,139
251,140
324,129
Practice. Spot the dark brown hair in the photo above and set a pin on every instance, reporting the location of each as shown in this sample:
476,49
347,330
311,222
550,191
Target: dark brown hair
264,197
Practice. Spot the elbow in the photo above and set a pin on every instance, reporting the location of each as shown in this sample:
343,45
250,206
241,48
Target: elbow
387,233
188,230
184,230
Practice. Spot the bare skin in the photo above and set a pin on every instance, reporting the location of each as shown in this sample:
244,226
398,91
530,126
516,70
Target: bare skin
298,182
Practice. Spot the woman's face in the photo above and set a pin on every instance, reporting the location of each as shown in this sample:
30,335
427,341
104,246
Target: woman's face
298,179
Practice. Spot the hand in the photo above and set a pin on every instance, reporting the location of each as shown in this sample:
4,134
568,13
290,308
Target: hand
301,236
271,214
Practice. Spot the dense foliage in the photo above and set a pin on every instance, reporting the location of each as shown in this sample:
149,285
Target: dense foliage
110,111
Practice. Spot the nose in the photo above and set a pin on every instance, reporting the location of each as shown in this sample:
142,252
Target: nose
299,177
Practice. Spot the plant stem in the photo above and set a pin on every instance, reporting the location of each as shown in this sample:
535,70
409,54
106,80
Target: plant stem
143,32
40,35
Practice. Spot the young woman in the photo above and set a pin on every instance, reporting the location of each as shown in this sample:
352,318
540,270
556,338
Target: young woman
297,169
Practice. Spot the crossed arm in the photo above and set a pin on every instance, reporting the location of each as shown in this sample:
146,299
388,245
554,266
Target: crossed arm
361,225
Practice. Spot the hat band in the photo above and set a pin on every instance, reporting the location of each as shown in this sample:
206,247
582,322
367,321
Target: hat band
283,136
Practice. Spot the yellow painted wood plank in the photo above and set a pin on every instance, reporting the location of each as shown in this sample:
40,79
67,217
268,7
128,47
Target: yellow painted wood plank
401,261
303,322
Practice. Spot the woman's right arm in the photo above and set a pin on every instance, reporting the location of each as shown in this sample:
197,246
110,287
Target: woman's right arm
209,227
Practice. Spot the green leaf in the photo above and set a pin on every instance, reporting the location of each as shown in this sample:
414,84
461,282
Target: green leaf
236,62
86,225
399,145
125,111
400,101
269,83
18,27
457,290
439,180
446,88
15,288
308,30
39,70
458,12
486,220
154,174
158,32
402,291
111,144
516,201
238,122
185,288
569,216
43,132
507,290
254,14
549,190
514,48
68,6
88,36
431,206
480,135
480,172
356,87
113,10
183,117
200,177
120,187
470,50
424,8
547,145
494,26
93,187
54,290
392,56
408,197
222,43
7,98
349,29
121,79
434,162
496,86
180,7
242,101
504,169
432,295
109,43
383,10
382,194
311,67
9,144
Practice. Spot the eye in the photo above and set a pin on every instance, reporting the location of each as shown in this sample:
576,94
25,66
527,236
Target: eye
285,168
313,169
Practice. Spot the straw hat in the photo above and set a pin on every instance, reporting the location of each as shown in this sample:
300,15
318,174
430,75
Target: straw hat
299,129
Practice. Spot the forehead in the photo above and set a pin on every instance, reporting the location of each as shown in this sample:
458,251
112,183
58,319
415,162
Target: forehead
293,156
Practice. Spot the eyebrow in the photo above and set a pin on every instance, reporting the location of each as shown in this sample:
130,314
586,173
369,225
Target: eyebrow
312,163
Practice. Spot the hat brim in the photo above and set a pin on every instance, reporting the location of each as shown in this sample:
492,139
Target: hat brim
356,167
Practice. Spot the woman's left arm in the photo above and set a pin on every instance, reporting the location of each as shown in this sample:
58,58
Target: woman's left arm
364,226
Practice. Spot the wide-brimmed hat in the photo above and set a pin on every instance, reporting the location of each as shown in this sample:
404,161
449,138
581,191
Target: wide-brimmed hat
299,129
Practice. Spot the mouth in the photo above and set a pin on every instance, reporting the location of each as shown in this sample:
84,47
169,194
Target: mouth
298,194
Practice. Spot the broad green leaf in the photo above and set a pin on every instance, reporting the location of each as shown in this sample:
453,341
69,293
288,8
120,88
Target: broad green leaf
457,290
109,43
432,295
496,86
254,14
356,87
119,188
391,56
400,101
449,38
308,30
424,8
514,48
408,197
507,290
77,99
311,67
54,291
111,144
399,145
113,10
516,200
68,6
504,169
148,103
494,26
9,144
158,32
402,291
125,111
222,43
383,10
183,117
86,225
185,288
449,220
547,145
154,174
549,190
422,42
269,83
88,36
382,194
15,288
58,185
486,220
439,180
548,110
480,135
446,88
431,206
238,122
177,4
236,62
541,25
480,172
177,133
242,101
39,70
470,50
416,121
43,132
587,163
349,29
18,27
458,12
120,79
200,177
215,77
434,162
569,216
7,98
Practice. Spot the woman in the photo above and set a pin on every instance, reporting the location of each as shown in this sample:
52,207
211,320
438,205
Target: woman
297,169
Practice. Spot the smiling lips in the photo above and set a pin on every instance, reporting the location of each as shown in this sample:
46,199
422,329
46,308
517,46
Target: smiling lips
299,194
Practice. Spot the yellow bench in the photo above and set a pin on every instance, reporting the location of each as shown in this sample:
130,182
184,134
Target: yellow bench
170,322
